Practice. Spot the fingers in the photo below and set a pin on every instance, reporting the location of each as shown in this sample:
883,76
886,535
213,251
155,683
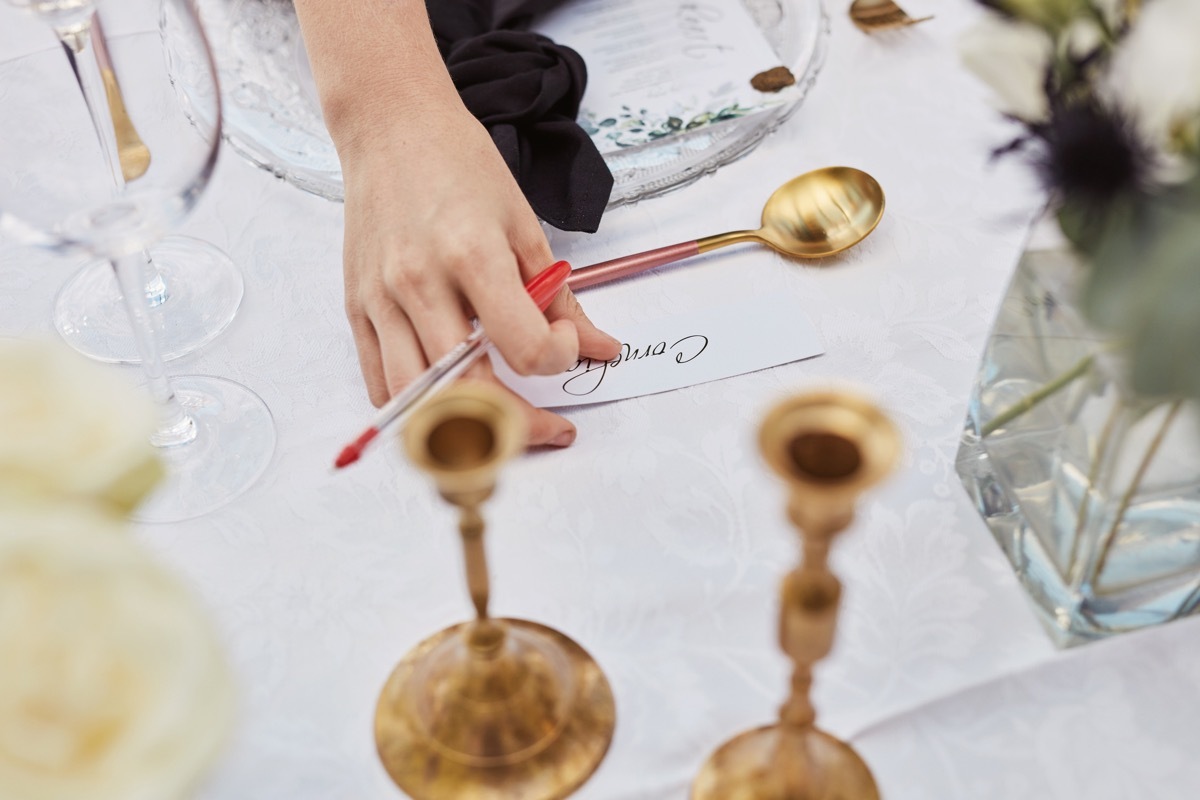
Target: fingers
593,342
529,343
400,353
533,254
391,358
545,428
548,428
411,319
369,359
435,310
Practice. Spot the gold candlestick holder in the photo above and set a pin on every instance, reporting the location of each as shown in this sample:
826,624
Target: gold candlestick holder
829,448
489,709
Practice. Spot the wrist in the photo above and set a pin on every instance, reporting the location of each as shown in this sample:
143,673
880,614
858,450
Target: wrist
379,114
377,68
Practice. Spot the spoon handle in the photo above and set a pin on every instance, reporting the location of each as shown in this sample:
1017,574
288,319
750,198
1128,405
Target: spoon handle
625,266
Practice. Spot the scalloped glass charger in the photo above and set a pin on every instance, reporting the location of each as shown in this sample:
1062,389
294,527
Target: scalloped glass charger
272,115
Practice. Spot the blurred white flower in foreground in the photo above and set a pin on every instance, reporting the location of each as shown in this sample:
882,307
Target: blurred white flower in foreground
1113,12
1081,38
112,686
1155,74
71,430
1011,57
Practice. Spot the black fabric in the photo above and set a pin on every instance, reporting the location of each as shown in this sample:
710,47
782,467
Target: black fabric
526,89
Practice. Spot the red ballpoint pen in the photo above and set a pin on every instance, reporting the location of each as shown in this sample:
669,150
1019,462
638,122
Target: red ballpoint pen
542,288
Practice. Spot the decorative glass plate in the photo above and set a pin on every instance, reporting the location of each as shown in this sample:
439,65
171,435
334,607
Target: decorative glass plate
272,115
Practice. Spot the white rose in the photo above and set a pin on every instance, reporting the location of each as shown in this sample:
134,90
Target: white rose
1012,58
112,686
1155,72
71,429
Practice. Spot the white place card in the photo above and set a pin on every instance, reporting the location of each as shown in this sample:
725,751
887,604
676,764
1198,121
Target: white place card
684,350
659,67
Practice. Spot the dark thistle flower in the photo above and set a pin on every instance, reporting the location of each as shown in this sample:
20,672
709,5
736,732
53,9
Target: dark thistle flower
1091,156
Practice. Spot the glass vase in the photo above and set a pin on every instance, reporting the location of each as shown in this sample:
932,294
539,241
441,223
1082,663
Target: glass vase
1092,491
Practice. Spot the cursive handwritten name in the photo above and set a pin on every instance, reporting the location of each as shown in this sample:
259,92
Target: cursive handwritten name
695,22
588,374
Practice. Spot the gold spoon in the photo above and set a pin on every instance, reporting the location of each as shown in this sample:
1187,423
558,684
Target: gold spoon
818,214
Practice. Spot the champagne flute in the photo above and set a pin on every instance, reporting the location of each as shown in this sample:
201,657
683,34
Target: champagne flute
194,287
58,189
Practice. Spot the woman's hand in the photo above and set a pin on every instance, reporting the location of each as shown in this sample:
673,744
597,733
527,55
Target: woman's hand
437,231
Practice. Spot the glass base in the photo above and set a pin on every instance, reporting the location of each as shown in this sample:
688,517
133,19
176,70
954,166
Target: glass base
202,295
234,443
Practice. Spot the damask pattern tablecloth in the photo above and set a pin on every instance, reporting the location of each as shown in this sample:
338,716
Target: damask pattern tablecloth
658,539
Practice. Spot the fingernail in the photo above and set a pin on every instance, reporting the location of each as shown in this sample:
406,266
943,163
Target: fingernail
564,439
614,341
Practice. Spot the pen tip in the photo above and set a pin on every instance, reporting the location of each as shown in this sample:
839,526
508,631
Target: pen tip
353,451
348,456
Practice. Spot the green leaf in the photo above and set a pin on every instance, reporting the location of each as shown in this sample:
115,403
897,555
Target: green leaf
1144,287
1165,336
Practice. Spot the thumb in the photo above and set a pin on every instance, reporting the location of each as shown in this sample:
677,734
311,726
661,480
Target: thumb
593,342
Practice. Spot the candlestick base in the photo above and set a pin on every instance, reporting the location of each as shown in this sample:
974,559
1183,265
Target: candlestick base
778,762
494,709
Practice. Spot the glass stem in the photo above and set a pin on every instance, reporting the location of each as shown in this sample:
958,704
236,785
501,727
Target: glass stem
175,426
81,52
89,74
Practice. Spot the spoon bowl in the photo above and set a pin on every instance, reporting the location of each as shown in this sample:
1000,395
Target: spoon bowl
818,214
822,213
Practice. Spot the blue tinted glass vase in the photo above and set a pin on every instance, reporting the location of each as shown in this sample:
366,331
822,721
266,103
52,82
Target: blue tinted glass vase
1092,491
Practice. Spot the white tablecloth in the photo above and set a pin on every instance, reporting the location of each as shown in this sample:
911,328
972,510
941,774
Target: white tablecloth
658,540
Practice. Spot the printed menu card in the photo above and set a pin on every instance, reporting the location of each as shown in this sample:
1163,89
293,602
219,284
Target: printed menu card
659,67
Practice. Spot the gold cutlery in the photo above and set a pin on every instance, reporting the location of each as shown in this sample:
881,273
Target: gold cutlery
818,214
